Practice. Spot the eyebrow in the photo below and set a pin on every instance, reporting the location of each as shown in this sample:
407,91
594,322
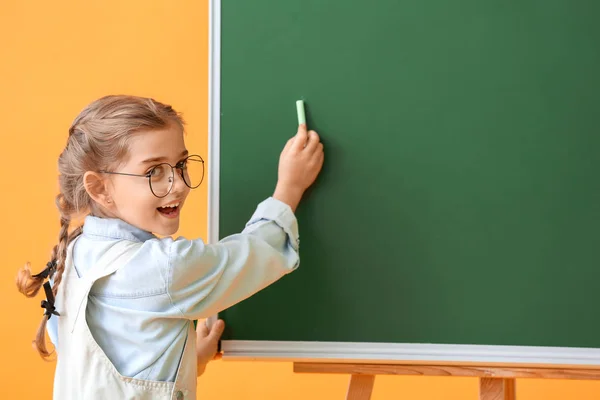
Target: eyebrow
161,159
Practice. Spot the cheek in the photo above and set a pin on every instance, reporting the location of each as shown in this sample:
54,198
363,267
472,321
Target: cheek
136,196
145,202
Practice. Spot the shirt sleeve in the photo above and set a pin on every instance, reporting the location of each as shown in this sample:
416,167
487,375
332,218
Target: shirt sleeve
204,279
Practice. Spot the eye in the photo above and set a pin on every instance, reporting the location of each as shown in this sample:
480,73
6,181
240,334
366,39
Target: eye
157,171
182,164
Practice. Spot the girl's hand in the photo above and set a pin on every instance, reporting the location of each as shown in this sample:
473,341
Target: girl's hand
299,165
207,342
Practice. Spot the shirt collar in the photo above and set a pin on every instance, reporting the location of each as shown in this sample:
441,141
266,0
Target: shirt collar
114,228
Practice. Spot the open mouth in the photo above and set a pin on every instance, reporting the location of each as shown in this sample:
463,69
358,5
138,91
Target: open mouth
171,210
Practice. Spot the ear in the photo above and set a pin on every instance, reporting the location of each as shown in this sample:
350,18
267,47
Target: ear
96,186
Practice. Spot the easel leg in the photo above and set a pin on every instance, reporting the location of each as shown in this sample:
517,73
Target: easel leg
360,387
497,389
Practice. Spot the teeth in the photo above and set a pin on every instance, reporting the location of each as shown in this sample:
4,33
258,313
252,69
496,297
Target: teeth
172,206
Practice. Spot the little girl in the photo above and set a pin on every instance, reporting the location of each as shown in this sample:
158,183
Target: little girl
120,301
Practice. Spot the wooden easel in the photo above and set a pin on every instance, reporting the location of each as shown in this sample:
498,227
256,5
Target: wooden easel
495,383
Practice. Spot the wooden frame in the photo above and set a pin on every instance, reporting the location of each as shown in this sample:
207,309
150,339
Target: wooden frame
495,382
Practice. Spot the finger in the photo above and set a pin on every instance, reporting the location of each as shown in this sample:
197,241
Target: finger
216,330
320,158
202,329
318,151
300,138
313,142
288,145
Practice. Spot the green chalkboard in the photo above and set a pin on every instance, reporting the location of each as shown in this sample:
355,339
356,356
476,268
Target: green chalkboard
460,198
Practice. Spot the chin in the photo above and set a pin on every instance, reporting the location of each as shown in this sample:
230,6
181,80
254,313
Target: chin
169,230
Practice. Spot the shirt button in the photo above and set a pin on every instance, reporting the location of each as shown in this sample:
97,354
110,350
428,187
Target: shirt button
179,395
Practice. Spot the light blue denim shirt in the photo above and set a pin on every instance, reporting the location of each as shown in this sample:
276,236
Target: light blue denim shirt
139,314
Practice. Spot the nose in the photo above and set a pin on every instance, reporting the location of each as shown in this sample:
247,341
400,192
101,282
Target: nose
179,185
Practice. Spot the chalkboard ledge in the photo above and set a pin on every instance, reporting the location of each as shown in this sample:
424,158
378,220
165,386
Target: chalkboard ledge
389,353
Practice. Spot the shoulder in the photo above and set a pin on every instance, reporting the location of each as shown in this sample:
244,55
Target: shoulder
143,274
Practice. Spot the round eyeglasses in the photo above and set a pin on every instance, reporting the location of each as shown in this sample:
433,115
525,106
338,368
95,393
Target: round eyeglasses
161,176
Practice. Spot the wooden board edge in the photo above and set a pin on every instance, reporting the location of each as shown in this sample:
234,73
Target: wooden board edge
480,371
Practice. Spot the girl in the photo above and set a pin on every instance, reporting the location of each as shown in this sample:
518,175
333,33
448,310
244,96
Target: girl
121,301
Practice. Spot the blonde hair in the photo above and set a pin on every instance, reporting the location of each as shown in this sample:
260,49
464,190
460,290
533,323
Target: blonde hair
98,139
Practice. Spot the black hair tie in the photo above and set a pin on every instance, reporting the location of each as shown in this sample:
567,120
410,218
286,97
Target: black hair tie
48,271
48,304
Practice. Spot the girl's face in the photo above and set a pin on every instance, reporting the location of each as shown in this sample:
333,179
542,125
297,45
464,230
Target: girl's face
131,197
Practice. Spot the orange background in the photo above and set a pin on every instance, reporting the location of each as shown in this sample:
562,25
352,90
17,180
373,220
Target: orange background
55,58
